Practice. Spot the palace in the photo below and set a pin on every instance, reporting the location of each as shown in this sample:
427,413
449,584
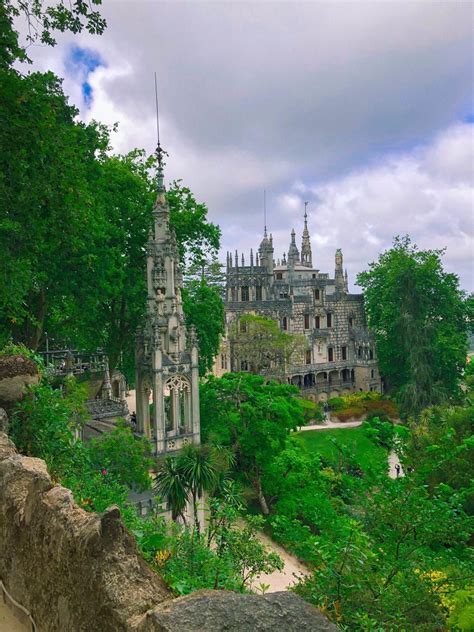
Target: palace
340,354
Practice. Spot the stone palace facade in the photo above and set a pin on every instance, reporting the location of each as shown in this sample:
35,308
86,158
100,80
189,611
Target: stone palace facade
340,355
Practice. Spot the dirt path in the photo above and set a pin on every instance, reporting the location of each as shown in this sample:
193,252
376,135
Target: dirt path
393,460
329,425
131,403
280,580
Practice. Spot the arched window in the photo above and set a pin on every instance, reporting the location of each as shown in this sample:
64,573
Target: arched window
284,323
177,395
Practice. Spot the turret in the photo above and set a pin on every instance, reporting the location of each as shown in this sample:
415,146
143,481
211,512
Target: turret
293,253
339,272
306,254
266,252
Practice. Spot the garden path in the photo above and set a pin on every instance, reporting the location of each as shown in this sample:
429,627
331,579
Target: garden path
393,460
280,580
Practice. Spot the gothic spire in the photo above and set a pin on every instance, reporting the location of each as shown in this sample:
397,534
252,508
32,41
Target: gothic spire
306,254
293,253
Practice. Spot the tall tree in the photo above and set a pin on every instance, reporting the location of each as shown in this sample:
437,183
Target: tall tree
420,320
253,418
260,343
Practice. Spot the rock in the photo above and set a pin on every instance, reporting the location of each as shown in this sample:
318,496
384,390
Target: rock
3,420
214,611
17,372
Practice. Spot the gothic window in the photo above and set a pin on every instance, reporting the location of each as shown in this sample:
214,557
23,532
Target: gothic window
279,276
372,373
244,365
233,294
317,322
177,400
329,320
317,294
306,321
258,293
359,352
371,354
244,292
223,361
330,354
308,356
314,276
351,321
344,353
284,323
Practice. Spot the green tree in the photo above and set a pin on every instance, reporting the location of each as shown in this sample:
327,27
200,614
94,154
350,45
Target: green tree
124,456
173,486
43,18
200,474
251,417
204,309
260,343
420,320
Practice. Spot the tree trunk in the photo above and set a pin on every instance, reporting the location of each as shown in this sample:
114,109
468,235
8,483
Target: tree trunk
261,497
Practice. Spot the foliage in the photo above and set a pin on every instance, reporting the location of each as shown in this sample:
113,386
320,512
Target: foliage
259,342
253,418
43,18
229,557
357,405
45,422
440,449
204,308
198,239
420,320
122,455
70,264
349,450
312,411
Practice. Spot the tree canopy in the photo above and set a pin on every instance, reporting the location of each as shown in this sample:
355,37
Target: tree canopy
254,418
259,342
420,319
75,223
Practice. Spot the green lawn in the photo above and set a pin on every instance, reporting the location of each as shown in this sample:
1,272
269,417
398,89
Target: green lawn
352,441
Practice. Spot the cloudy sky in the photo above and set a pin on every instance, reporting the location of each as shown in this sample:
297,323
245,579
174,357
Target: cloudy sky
362,109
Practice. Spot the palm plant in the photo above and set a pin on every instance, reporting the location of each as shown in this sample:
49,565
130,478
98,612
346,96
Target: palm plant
172,484
199,472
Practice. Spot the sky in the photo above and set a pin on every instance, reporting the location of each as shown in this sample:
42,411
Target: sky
363,109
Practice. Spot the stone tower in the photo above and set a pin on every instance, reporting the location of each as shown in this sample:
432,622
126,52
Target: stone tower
166,354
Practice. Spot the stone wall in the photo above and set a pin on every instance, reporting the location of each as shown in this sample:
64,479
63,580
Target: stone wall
78,571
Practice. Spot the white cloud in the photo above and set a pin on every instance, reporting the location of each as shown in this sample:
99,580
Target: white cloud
427,193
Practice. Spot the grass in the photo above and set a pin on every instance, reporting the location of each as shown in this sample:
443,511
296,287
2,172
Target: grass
353,442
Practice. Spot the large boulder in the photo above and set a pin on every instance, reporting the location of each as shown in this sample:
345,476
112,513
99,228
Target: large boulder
17,372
